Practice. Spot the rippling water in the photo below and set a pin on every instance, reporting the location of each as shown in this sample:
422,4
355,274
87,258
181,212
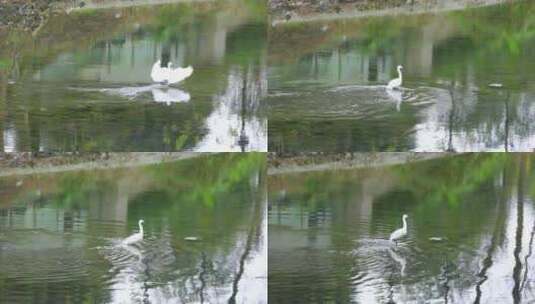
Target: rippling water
60,234
77,87
470,233
326,82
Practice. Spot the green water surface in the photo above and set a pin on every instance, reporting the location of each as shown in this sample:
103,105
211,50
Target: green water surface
471,227
326,82
83,82
61,234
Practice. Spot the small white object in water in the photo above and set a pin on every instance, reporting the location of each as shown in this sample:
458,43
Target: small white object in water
436,239
168,75
136,237
191,238
401,232
496,85
396,82
19,183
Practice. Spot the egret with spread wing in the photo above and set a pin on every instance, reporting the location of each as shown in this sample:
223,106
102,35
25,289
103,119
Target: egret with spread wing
169,75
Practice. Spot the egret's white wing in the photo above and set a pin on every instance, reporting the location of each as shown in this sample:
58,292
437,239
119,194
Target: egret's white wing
179,74
397,234
394,83
136,237
158,74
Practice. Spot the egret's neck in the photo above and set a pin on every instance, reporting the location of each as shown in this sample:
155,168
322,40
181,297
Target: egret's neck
141,228
400,75
404,224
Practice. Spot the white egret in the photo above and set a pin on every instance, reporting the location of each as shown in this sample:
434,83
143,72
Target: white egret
169,75
396,82
136,237
401,232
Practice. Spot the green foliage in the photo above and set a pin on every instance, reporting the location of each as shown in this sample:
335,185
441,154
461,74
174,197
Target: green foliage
453,177
5,63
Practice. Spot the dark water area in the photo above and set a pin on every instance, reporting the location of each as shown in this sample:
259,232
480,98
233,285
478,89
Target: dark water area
327,82
84,82
205,234
471,227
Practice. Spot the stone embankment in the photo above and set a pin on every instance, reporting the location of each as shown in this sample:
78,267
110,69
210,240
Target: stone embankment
284,11
304,162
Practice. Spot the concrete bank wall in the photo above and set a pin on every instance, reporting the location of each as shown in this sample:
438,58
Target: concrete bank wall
293,11
321,162
26,163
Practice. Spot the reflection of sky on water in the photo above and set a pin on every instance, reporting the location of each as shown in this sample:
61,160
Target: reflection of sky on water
234,116
440,127
254,277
